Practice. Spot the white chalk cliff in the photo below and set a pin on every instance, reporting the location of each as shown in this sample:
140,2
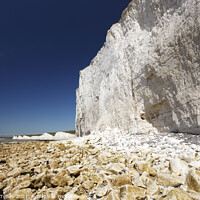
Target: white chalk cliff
146,77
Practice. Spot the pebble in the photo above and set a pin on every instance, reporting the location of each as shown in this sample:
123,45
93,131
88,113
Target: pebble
105,166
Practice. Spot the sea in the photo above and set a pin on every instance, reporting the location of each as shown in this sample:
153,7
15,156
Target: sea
10,140
6,138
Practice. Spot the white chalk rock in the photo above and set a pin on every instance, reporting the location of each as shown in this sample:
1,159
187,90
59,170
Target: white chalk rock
188,156
25,137
63,136
195,164
47,136
146,76
179,166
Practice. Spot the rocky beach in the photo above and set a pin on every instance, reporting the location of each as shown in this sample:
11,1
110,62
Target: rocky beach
136,104
107,166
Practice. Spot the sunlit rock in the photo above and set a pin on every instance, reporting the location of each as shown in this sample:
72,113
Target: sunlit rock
179,167
120,180
116,168
193,180
102,191
2,177
14,173
132,192
152,189
88,185
177,194
112,195
59,180
170,179
75,170
146,76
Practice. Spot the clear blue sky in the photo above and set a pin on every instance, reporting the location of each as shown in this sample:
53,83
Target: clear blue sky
43,46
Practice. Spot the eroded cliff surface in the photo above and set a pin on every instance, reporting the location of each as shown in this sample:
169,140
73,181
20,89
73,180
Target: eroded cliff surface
147,75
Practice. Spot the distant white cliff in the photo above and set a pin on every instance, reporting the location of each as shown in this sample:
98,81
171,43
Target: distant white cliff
146,77
46,136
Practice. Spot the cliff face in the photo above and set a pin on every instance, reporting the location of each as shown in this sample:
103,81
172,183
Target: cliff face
147,75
